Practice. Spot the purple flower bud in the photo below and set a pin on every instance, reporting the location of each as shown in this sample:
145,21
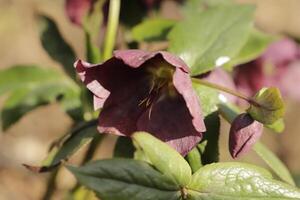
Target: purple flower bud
145,91
244,132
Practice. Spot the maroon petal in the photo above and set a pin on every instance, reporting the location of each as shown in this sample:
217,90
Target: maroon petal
122,83
105,78
170,120
77,9
183,85
181,79
135,58
244,132
122,109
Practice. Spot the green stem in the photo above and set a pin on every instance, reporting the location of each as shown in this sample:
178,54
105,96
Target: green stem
221,88
111,33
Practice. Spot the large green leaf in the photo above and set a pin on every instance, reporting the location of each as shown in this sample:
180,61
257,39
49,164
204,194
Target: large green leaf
197,6
30,87
152,29
19,76
273,162
166,159
238,181
256,44
55,45
22,101
212,37
125,179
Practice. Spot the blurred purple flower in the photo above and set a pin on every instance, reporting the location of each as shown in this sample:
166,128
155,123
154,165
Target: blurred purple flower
145,91
77,9
244,132
279,67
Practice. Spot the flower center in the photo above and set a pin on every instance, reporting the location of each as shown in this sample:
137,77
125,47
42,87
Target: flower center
161,85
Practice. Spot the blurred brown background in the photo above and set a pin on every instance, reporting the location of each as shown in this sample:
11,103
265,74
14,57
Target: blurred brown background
28,140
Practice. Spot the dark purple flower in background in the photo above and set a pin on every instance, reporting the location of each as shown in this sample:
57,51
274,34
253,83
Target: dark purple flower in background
244,132
279,67
145,91
77,9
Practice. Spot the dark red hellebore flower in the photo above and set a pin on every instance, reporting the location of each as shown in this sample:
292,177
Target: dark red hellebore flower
244,132
145,91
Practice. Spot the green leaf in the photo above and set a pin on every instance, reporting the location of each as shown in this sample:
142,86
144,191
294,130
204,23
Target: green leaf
55,45
20,76
124,148
194,159
152,29
208,98
213,37
197,6
238,181
267,106
62,149
273,162
256,44
209,146
30,87
163,157
69,144
22,101
125,179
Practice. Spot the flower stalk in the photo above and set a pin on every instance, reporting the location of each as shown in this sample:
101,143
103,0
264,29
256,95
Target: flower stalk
221,88
112,26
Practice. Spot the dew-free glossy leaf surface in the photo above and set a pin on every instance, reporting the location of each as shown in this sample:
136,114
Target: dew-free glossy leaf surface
238,181
256,44
213,37
29,87
125,179
152,29
166,159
